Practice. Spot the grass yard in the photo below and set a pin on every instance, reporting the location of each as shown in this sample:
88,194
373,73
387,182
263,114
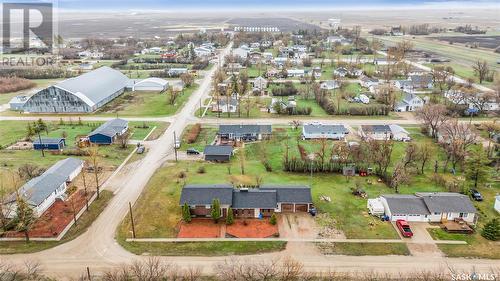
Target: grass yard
363,249
221,248
206,136
144,104
76,230
477,246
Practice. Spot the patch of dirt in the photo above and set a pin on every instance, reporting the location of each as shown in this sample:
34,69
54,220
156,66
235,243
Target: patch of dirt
56,218
327,227
252,228
424,250
200,228
297,225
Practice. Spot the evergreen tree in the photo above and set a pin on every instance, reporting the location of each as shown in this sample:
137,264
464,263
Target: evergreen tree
186,213
491,230
477,166
215,210
273,219
29,131
230,217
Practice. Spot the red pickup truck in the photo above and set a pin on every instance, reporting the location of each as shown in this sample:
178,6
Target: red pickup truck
404,227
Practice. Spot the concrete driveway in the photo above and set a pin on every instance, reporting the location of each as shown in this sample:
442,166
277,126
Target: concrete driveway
421,244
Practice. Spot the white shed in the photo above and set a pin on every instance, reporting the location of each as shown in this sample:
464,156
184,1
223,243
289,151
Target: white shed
497,203
151,84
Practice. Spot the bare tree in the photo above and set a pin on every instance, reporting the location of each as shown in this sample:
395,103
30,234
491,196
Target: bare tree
493,128
123,139
322,151
456,138
433,115
441,75
424,154
242,160
95,161
296,124
482,70
381,152
399,176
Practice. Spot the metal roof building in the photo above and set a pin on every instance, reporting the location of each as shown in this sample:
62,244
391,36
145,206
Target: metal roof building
84,93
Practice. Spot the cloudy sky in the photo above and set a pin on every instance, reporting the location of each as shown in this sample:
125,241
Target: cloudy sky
259,4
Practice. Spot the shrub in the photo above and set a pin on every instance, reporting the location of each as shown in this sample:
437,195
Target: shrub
273,219
201,170
491,230
182,175
186,213
230,217
14,84
193,133
215,210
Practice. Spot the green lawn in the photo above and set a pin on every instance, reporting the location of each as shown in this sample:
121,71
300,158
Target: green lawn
221,248
76,230
206,136
477,246
363,249
142,104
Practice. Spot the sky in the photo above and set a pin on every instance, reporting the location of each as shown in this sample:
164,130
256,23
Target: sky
257,4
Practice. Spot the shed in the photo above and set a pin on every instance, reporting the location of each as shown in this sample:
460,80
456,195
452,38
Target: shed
107,132
218,153
49,143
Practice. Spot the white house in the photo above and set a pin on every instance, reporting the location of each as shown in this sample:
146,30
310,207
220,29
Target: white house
295,73
224,106
429,207
329,85
41,192
150,84
410,102
91,54
367,82
203,52
260,83
321,131
177,71
399,133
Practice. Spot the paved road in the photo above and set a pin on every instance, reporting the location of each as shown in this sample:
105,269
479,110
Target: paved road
97,248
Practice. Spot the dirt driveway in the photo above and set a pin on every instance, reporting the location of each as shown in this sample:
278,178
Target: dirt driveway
421,244
297,225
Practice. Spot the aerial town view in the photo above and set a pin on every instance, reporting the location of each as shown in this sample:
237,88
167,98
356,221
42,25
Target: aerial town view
268,140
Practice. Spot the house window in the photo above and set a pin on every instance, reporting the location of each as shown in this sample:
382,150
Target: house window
462,215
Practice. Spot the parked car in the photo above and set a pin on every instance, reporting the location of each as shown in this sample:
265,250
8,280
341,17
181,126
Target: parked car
312,211
476,195
192,151
404,228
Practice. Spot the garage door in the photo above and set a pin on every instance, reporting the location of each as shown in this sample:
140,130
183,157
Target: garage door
286,208
200,211
301,208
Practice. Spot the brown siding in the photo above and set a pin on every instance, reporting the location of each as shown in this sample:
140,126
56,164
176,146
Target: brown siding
287,208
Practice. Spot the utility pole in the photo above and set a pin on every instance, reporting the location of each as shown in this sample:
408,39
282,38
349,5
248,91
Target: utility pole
88,274
132,219
175,147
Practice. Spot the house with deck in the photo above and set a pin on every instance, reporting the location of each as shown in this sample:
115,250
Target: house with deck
429,207
41,192
247,202
409,102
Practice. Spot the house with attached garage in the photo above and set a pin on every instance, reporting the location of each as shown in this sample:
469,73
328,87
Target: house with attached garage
41,192
321,131
429,207
329,85
244,132
383,132
218,153
49,143
247,202
410,102
108,132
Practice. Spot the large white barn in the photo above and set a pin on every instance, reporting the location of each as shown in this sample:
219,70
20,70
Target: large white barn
84,93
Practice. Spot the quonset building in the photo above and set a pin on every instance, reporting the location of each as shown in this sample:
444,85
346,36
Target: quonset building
81,94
